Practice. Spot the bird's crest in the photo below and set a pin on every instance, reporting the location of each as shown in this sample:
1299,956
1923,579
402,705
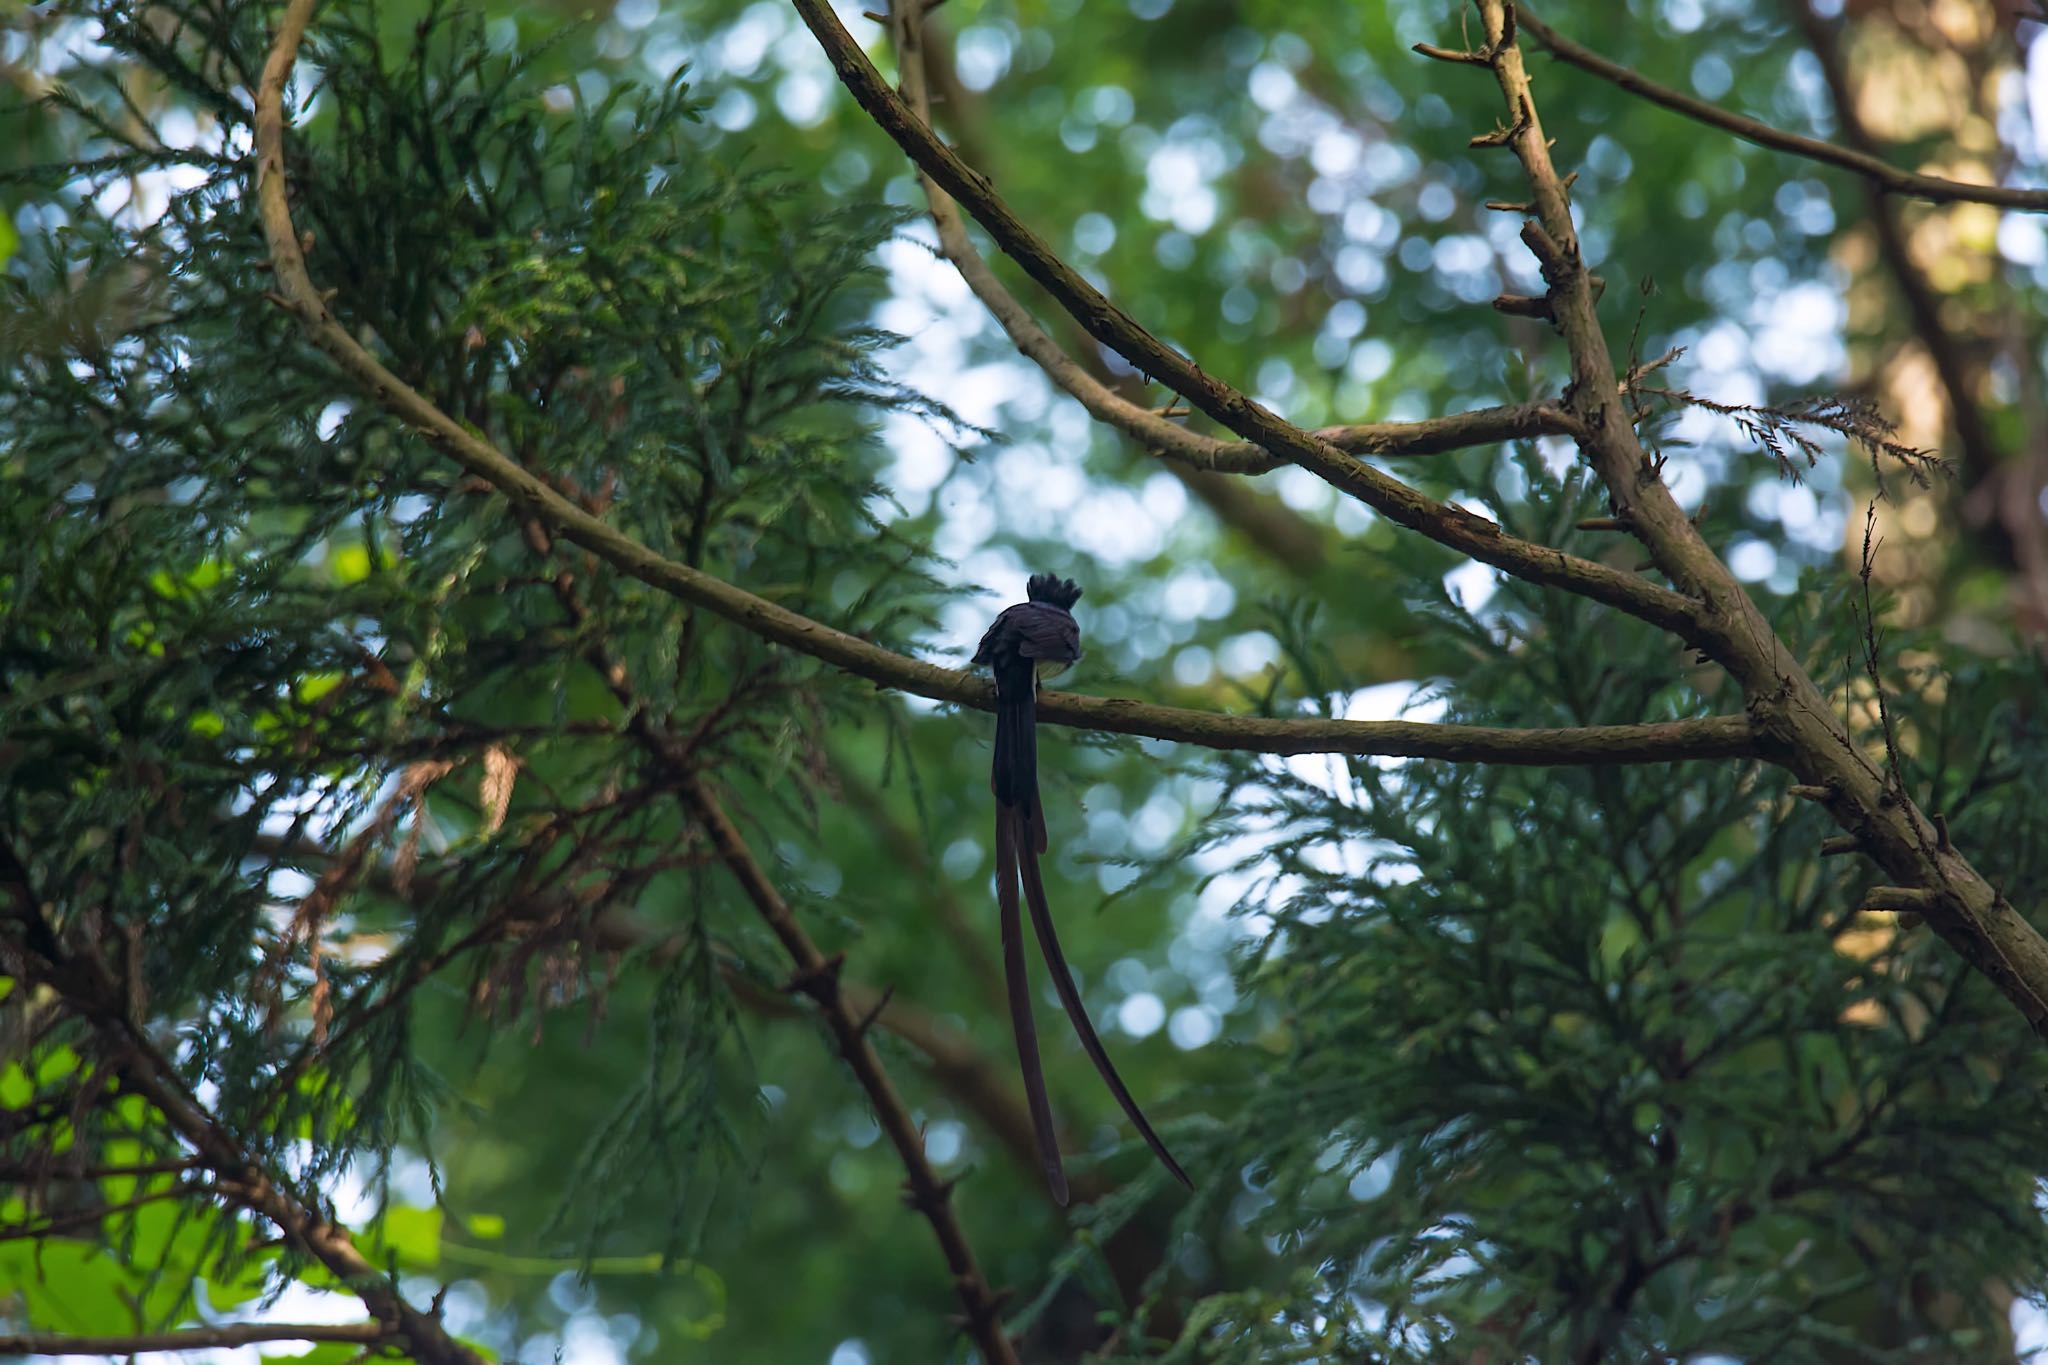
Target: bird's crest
1060,592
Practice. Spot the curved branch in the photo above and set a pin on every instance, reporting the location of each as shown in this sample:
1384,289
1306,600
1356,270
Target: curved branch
1712,737
1881,174
1454,431
1447,524
818,977
1158,434
1429,436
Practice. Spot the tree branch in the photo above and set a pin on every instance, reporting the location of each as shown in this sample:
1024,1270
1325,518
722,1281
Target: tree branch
193,1338
1290,539
1713,737
1804,731
1880,174
818,977
101,1002
1453,431
962,1070
1162,435
1448,525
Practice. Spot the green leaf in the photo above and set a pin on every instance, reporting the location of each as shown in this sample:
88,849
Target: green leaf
412,1235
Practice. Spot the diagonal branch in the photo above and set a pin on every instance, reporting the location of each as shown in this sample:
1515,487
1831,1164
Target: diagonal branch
1291,539
1156,433
89,991
531,497
818,977
1442,522
1805,732
1881,175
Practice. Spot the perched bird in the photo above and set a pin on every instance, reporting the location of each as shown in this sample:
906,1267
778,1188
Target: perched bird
1036,639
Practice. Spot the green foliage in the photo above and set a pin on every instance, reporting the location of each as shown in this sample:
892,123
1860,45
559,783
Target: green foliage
243,615
1603,1056
316,748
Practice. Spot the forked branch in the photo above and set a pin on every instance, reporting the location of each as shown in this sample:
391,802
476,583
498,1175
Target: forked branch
1807,735
1449,525
1160,434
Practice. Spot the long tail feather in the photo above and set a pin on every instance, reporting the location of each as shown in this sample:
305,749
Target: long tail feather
1014,775
1077,1012
1010,835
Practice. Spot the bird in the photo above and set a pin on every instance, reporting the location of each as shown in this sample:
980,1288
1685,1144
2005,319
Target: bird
1035,639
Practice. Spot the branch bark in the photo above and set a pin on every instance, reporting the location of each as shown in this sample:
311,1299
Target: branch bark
1880,175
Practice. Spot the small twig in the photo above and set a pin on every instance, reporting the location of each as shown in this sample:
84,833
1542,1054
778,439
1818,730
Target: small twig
874,1013
1448,54
1776,427
1525,306
1501,135
1904,899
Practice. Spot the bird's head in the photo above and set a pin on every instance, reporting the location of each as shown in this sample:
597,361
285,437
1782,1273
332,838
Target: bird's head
1059,592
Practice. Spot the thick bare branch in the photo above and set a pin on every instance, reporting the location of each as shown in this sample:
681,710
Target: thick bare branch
1805,732
1429,436
1881,174
1449,525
